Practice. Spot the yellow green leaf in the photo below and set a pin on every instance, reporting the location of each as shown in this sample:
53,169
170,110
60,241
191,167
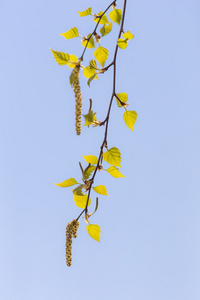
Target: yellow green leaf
90,44
106,29
101,55
92,78
116,15
67,183
100,189
85,12
94,231
88,72
91,159
81,201
88,172
72,77
89,118
115,172
122,43
61,57
127,35
104,19
78,190
70,34
123,97
73,60
113,157
130,118
93,64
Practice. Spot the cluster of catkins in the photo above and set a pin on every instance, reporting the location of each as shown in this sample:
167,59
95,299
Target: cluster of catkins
71,232
78,98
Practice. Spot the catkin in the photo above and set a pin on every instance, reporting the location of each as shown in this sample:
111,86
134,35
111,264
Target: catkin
78,98
71,231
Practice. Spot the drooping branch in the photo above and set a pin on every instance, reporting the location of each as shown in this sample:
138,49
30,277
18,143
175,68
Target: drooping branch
106,121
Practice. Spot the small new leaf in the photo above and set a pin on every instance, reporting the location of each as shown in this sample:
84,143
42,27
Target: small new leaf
89,118
122,43
67,183
113,157
123,97
115,172
78,190
72,77
73,60
89,72
89,44
85,13
103,20
96,207
81,201
116,15
91,159
130,118
100,189
92,78
101,55
128,36
70,34
87,173
93,64
106,29
94,231
61,57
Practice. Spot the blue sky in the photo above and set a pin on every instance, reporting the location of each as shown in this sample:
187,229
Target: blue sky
150,223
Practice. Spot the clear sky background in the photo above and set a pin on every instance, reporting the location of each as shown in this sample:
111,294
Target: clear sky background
150,224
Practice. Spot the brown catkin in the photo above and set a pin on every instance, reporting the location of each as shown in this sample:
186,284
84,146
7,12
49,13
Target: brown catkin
71,231
78,98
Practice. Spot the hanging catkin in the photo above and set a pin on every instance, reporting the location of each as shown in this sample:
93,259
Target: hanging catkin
78,98
71,231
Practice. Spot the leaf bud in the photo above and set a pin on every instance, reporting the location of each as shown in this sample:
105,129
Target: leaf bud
114,5
97,37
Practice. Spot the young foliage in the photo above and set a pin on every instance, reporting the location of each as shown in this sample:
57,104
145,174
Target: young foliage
67,183
100,189
65,59
70,34
103,20
116,16
90,70
81,200
123,43
91,159
94,76
114,172
94,231
123,97
83,192
113,157
106,29
88,171
130,118
128,36
78,190
85,13
101,55
61,57
88,41
90,118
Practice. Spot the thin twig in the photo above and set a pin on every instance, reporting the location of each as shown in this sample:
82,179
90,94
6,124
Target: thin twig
94,31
